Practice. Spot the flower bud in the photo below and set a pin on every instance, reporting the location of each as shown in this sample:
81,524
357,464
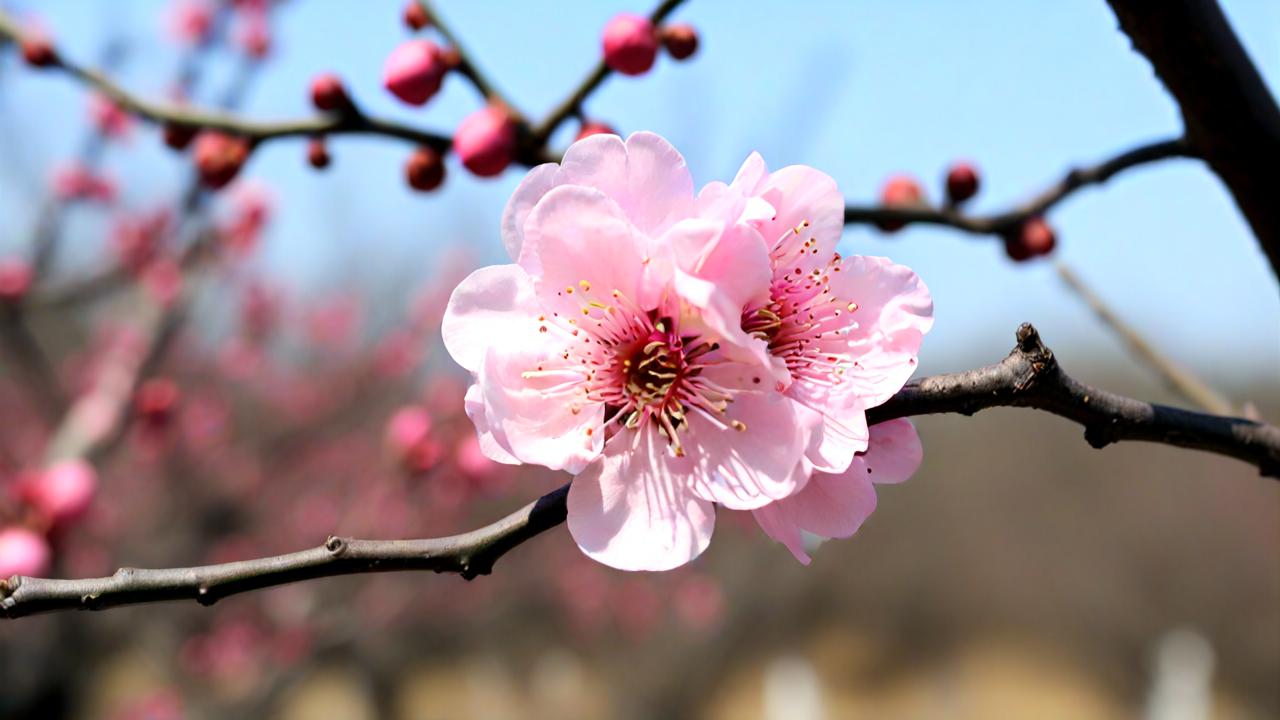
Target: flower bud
219,157
1035,237
425,169
38,51
414,71
177,136
156,401
318,153
962,182
22,552
899,191
680,41
414,16
62,491
593,127
486,141
328,93
630,44
15,280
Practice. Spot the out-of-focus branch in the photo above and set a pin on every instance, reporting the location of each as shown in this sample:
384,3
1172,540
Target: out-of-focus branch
1009,220
1231,118
572,105
257,131
30,361
1028,377
1176,377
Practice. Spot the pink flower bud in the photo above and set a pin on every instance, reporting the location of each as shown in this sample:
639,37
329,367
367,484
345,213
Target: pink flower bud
962,182
681,41
190,21
630,44
486,141
15,279
219,157
63,491
22,552
1033,238
254,35
408,427
76,182
413,72
594,127
110,119
900,191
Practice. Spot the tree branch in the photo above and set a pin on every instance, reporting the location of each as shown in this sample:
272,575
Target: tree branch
1028,377
1009,220
1231,118
572,105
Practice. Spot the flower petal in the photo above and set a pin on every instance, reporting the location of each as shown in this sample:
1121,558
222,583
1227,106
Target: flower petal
632,509
749,467
894,312
537,183
895,452
488,305
491,446
646,176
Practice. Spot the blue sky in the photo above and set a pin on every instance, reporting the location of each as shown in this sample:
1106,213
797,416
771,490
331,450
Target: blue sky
857,89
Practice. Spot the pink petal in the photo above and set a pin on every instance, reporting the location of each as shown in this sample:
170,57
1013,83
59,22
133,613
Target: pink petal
894,312
895,452
586,250
775,523
491,304
646,176
632,509
748,468
537,183
489,445
541,419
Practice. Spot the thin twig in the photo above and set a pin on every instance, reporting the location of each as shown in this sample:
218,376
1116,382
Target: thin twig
466,67
1010,220
1178,378
572,105
1028,377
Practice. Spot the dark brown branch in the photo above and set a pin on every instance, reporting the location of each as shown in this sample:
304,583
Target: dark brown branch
1231,118
1028,377
1031,377
1010,220
469,555
572,105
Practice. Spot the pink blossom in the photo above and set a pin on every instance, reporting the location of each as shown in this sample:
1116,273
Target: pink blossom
110,119
77,182
407,428
835,506
190,21
15,279
485,142
596,354
63,491
22,552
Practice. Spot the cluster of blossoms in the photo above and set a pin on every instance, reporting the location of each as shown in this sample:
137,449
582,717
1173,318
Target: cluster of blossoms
676,350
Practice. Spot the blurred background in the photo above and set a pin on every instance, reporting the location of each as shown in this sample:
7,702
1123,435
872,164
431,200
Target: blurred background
1019,574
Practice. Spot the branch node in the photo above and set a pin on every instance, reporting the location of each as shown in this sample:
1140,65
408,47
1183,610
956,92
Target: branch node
204,596
335,545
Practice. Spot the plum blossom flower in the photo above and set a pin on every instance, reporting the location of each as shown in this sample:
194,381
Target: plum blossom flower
676,351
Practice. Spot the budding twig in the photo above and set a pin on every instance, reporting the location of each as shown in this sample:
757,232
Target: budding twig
1009,220
1028,377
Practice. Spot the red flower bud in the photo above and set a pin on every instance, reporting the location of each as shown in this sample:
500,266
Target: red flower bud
156,401
219,157
328,93
592,127
15,280
962,182
318,153
486,141
425,169
38,51
681,41
630,44
415,17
